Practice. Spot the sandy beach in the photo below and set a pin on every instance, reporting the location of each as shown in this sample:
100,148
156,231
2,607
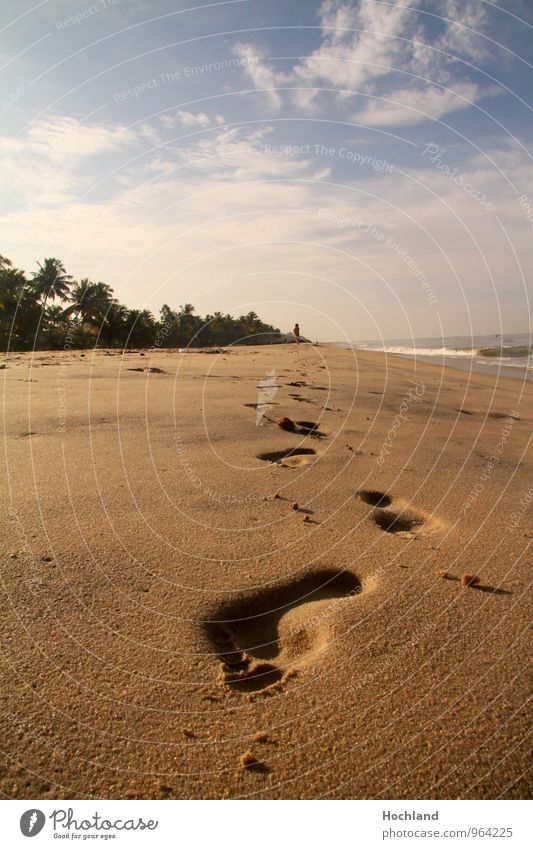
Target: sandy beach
198,603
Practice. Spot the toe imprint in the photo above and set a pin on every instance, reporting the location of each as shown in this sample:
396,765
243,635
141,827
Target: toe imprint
374,497
262,640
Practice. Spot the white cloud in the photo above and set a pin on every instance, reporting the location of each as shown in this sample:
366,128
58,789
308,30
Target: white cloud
464,38
367,46
408,106
191,119
168,121
234,154
359,43
44,163
63,139
228,204
265,78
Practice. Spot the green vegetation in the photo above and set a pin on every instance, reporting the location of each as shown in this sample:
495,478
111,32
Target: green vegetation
50,310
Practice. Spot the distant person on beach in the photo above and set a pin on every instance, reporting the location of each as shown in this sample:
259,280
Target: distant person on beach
296,332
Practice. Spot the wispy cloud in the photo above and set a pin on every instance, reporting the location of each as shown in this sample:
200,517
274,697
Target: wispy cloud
409,106
366,46
63,139
43,164
265,78
191,119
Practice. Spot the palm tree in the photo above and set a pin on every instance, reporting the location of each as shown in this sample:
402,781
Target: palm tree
186,316
217,328
20,311
168,327
188,324
252,323
90,301
51,281
141,328
168,316
56,327
55,314
28,321
114,326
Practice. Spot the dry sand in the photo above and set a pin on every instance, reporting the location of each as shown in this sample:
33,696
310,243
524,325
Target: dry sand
138,515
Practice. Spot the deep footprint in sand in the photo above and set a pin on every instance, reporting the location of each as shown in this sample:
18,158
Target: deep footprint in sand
301,400
306,428
398,516
290,457
374,497
263,640
261,406
310,428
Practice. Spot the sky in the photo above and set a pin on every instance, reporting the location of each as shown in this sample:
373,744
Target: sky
361,167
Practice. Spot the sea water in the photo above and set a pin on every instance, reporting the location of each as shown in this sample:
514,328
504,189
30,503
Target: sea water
507,354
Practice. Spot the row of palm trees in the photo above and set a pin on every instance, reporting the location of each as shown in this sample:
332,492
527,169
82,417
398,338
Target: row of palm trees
88,314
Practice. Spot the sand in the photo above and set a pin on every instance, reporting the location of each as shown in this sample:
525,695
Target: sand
198,603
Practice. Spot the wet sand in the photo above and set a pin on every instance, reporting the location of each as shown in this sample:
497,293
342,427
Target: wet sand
198,603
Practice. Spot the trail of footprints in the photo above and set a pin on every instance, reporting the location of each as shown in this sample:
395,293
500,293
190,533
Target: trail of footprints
263,640
295,456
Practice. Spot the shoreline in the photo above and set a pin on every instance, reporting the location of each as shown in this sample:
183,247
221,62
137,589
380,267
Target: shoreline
462,364
470,366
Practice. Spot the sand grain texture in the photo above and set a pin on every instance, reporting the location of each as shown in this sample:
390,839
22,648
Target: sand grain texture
164,608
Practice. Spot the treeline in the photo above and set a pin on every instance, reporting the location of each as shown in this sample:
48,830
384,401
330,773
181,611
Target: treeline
49,310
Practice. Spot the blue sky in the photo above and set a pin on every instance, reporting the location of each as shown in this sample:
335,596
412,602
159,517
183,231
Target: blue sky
362,167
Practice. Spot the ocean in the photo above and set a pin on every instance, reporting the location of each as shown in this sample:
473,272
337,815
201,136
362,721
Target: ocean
510,355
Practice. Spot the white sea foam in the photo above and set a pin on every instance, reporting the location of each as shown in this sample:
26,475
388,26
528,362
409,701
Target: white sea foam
471,352
427,352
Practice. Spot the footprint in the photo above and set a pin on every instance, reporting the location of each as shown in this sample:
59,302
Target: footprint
302,400
302,427
290,457
149,369
394,522
374,497
514,416
311,429
398,516
261,406
263,640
